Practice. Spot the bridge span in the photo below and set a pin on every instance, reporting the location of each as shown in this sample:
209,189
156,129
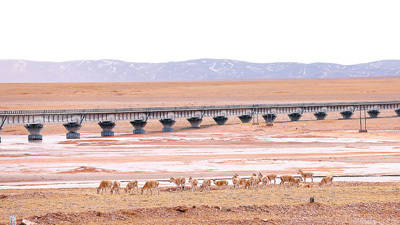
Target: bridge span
72,120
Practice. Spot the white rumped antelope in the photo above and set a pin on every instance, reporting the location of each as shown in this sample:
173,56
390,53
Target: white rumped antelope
193,183
206,185
306,175
151,185
132,186
104,185
272,177
236,181
115,187
326,180
220,183
286,179
179,182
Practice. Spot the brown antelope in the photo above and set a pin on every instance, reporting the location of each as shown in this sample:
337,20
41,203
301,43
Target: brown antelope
104,185
306,175
236,181
179,182
220,183
264,179
326,180
206,185
248,184
242,182
151,185
115,187
286,179
272,177
252,182
296,181
193,183
131,186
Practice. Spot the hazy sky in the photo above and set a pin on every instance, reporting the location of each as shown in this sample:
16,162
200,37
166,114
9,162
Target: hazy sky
340,31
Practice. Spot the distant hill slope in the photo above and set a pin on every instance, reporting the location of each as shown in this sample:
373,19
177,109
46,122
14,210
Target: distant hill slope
200,69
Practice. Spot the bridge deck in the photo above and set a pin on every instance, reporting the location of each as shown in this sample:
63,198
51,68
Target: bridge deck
61,116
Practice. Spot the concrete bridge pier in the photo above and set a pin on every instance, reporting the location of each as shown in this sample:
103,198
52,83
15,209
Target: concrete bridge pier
320,115
269,118
220,120
373,113
168,124
73,128
245,118
397,112
107,127
34,132
294,116
195,121
139,126
346,114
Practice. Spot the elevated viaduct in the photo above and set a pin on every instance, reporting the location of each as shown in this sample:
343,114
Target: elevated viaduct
34,120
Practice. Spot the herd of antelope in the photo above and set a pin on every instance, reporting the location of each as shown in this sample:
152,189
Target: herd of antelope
255,181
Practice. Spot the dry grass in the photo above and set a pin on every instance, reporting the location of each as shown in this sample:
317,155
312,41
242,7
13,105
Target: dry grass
146,94
26,203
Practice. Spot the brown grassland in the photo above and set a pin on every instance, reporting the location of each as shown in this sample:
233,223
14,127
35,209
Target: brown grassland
342,203
146,94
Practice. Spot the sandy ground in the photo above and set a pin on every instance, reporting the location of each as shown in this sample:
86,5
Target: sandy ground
329,147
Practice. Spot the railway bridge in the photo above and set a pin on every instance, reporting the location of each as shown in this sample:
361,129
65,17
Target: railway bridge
34,120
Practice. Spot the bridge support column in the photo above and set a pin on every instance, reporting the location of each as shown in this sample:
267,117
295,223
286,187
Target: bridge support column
373,113
107,127
220,120
34,132
73,129
139,126
397,112
269,118
245,118
168,124
320,115
346,114
195,122
294,116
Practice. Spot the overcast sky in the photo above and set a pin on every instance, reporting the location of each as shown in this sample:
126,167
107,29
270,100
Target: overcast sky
340,31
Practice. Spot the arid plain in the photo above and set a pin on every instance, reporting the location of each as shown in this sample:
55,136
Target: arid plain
329,147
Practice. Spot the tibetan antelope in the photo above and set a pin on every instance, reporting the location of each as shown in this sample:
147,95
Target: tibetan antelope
296,181
151,185
326,180
220,183
131,186
252,182
264,179
272,177
115,187
179,182
306,175
104,185
287,179
236,181
206,185
193,183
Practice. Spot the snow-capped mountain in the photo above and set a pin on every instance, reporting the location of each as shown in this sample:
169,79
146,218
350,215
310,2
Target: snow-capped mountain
200,69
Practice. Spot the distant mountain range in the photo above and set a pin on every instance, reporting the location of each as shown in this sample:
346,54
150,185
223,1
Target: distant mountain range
193,70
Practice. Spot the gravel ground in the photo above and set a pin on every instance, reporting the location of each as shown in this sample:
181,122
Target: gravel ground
342,203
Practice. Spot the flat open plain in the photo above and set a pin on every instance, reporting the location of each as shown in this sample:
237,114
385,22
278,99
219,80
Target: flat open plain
329,147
